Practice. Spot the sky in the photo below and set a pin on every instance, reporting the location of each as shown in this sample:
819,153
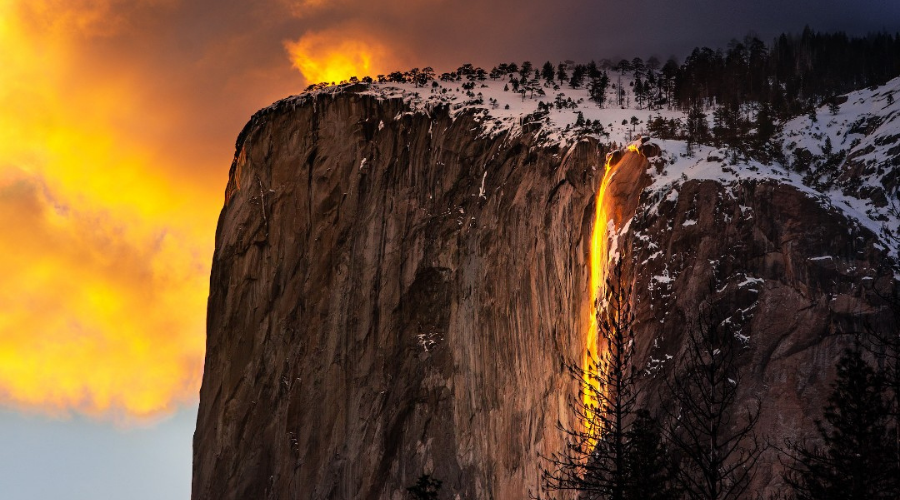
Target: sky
117,128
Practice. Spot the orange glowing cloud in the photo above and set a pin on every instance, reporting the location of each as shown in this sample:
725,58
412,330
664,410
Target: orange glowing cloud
338,54
105,250
84,17
98,314
117,125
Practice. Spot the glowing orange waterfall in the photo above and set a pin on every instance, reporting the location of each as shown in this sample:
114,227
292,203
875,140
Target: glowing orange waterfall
599,261
599,265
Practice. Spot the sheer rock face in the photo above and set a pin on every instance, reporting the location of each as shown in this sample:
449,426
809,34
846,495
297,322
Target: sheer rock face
390,296
393,295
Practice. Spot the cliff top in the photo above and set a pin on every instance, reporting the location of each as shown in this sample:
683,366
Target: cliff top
845,156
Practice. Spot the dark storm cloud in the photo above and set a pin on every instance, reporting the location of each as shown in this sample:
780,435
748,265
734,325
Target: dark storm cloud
446,33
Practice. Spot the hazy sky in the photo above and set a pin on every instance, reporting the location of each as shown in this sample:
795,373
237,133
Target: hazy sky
117,127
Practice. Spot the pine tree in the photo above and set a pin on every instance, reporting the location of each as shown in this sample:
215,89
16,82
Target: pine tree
856,459
547,72
637,65
697,126
613,447
729,127
525,70
577,78
765,126
650,88
639,91
561,73
426,488
715,438
598,87
650,471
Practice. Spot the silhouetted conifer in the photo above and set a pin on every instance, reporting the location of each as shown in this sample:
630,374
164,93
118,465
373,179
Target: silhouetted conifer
856,459
611,446
426,488
650,468
561,73
547,72
713,435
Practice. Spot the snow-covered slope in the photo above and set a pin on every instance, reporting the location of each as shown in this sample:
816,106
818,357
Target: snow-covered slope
501,110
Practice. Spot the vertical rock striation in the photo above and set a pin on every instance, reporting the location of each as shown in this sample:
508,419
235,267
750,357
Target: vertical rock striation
391,295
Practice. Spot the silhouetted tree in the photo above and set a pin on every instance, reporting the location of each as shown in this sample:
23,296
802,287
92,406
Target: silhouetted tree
577,77
639,91
547,72
637,65
651,472
525,70
697,128
601,456
713,435
597,89
561,73
669,74
426,488
623,66
765,124
856,459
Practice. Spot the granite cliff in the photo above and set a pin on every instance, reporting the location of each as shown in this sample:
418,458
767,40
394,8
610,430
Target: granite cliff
395,291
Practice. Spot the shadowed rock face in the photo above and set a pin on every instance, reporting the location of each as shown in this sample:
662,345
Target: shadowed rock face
373,320
798,276
393,295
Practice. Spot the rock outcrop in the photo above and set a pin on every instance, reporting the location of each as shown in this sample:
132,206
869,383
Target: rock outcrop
394,293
